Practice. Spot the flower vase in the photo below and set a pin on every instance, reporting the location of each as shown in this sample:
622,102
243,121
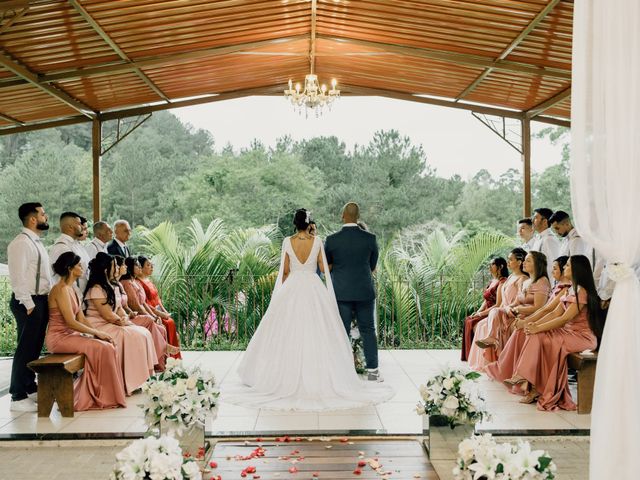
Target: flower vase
441,440
191,439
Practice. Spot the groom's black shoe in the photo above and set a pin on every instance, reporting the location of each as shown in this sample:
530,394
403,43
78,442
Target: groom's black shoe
373,375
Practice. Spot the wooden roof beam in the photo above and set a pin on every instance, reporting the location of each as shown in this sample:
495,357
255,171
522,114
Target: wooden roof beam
514,43
99,30
144,109
454,57
23,72
312,42
547,104
11,119
356,90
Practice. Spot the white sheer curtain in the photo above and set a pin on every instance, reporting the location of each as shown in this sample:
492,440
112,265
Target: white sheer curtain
605,194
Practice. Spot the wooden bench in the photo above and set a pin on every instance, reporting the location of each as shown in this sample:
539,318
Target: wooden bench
585,364
55,381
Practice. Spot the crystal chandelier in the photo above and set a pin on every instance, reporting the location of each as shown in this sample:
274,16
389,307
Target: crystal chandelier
314,96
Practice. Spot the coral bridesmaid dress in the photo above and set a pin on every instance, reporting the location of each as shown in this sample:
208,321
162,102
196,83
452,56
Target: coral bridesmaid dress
100,385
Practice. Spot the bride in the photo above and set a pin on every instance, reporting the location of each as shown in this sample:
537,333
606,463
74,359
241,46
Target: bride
300,357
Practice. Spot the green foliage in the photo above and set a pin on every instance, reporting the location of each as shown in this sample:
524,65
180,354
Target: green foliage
209,270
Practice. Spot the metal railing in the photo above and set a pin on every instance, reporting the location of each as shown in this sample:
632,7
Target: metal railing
213,313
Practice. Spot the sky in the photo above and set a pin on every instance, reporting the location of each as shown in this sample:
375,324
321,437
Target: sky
454,141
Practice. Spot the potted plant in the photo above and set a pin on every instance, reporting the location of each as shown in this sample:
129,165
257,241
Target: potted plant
451,404
178,402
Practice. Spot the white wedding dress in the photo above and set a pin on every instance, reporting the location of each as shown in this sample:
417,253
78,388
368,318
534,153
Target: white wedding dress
300,357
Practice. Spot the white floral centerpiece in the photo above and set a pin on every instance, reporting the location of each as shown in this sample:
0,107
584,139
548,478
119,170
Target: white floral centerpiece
453,394
480,457
156,459
178,398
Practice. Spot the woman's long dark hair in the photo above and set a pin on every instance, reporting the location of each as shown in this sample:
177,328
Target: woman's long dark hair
99,269
119,262
582,276
540,265
65,262
501,264
130,262
562,262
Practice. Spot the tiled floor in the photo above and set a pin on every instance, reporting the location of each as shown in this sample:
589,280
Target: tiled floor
405,370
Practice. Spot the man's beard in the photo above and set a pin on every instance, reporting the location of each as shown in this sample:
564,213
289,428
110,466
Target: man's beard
42,226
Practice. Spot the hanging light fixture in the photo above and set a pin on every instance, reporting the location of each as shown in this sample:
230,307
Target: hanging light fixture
313,97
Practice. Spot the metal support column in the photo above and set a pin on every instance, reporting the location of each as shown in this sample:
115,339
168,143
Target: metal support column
96,147
526,165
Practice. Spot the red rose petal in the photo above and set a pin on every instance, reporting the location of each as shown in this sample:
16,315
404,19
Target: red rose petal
293,470
357,471
362,463
213,464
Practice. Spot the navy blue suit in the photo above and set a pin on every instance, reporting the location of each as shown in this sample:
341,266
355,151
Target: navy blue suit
353,255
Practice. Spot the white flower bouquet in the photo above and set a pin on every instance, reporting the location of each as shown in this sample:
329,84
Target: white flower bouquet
481,458
178,397
453,394
155,459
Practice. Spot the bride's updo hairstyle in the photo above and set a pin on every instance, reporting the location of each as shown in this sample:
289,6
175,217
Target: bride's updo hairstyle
302,219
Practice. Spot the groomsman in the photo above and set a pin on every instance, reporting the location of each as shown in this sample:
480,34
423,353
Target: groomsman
546,242
69,241
572,242
30,279
526,233
102,234
118,246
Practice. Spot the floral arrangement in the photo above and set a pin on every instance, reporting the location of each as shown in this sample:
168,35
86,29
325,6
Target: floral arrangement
481,458
453,394
178,397
156,459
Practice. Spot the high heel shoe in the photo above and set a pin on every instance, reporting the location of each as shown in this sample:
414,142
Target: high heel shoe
486,343
531,397
513,381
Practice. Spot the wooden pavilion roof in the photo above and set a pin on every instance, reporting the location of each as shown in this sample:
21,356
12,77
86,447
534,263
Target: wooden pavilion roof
70,61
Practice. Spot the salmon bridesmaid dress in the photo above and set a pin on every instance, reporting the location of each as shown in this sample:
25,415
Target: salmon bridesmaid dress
510,288
136,353
131,296
153,299
544,355
504,368
501,323
100,385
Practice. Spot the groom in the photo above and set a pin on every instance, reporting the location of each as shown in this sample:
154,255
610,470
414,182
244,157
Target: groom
352,254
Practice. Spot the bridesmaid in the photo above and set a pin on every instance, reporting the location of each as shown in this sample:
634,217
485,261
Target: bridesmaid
136,353
534,293
504,368
575,325
124,295
153,300
506,297
100,385
499,272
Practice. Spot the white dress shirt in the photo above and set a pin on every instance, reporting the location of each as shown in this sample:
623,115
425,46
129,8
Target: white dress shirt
64,243
94,246
23,267
527,246
546,242
574,244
